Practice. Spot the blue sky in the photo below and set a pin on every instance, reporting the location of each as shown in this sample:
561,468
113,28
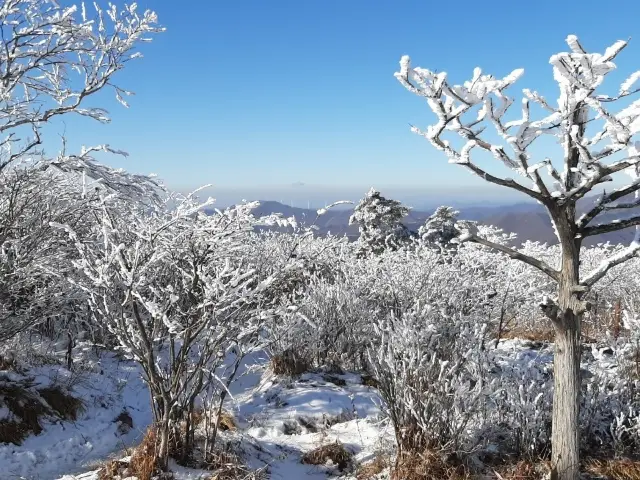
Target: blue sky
269,93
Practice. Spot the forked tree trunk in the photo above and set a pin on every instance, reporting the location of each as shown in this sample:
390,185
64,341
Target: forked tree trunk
565,436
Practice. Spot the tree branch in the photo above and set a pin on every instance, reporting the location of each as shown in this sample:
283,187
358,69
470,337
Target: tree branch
516,255
605,200
611,262
609,227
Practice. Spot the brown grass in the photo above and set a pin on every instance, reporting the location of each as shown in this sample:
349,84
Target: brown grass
522,470
144,464
227,422
289,363
335,452
429,465
65,405
373,468
614,469
29,406
27,410
112,470
228,466
542,333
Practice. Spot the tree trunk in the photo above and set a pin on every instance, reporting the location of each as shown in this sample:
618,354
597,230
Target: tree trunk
565,436
565,439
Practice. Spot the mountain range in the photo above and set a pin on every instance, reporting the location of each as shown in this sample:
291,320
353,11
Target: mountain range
528,220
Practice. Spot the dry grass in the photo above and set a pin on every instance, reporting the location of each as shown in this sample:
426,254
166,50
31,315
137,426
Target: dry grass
373,468
289,363
28,406
227,422
429,465
27,409
543,333
522,470
334,452
65,405
228,466
112,470
614,469
144,462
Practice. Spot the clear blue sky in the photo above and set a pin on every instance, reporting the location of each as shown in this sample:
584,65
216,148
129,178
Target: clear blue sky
245,93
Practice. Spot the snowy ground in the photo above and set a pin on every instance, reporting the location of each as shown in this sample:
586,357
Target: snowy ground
279,419
107,388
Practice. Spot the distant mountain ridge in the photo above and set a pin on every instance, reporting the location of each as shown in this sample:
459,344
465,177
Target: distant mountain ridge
529,221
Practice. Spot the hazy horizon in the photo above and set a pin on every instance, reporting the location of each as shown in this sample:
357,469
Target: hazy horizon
316,196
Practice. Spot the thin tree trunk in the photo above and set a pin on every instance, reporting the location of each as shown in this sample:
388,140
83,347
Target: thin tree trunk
164,434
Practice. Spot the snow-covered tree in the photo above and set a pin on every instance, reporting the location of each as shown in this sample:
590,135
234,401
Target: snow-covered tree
597,143
53,58
379,220
440,228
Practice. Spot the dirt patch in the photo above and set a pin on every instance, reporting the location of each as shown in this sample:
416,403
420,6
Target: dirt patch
340,382
125,422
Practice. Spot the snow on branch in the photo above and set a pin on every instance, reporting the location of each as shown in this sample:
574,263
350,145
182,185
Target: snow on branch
53,57
617,259
613,226
469,236
467,109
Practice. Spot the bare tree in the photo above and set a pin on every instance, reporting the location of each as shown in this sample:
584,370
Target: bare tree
597,144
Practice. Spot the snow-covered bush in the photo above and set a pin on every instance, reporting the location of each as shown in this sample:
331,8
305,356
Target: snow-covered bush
432,370
175,289
56,58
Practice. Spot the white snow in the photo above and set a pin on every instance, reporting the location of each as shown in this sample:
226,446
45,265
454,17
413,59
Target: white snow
106,389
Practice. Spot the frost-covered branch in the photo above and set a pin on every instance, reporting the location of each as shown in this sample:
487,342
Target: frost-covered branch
610,227
53,58
617,259
467,109
515,254
605,202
